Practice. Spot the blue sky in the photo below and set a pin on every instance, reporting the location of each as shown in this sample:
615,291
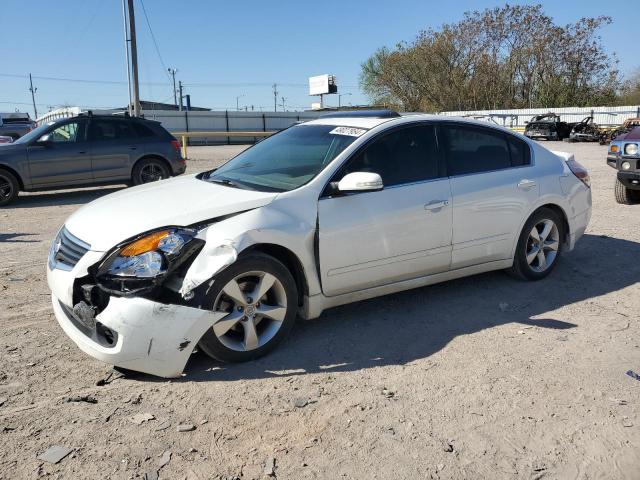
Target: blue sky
223,49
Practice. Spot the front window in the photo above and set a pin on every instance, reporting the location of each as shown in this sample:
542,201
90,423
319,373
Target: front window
35,133
286,160
66,133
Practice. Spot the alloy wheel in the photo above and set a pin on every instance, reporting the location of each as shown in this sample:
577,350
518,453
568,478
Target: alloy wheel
542,245
6,188
256,306
151,173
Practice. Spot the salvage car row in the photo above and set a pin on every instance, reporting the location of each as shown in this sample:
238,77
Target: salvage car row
550,127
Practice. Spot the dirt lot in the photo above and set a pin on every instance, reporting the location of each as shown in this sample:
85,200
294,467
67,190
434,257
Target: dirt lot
484,377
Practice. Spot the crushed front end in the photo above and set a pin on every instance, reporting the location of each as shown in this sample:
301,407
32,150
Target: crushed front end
122,306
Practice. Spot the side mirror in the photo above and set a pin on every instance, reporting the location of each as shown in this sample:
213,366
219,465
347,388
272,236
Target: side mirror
360,182
45,140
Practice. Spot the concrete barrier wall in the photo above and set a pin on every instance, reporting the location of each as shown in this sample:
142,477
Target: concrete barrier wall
231,121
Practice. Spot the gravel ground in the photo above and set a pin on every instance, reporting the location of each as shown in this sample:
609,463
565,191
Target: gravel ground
484,377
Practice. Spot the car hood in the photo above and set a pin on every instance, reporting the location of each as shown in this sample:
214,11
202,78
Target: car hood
180,201
10,148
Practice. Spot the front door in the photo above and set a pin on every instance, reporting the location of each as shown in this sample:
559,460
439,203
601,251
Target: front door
401,232
61,156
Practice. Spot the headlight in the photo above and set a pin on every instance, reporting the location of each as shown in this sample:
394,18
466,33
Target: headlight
148,256
143,263
631,149
625,165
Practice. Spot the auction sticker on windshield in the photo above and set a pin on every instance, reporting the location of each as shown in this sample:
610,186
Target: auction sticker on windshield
351,131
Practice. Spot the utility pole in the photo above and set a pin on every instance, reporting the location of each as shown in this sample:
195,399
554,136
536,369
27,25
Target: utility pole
134,60
172,72
180,96
275,97
283,99
126,52
33,96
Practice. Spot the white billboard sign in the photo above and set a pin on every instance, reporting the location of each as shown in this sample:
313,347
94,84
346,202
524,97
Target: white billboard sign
319,85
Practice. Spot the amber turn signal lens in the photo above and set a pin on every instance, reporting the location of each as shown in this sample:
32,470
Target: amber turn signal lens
145,244
614,148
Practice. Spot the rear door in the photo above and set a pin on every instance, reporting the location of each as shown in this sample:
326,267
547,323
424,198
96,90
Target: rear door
114,148
493,185
370,239
62,160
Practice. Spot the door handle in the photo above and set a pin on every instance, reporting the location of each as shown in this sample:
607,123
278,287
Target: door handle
526,184
436,205
133,148
82,151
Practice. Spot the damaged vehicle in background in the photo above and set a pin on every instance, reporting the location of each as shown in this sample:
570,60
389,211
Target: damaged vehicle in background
324,213
586,131
547,127
628,125
624,156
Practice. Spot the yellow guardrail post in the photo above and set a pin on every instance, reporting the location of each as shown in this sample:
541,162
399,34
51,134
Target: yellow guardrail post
184,146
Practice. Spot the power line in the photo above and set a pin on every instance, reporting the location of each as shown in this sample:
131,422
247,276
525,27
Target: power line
153,37
190,85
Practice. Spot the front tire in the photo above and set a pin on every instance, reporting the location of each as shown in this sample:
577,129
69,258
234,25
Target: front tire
149,170
624,195
539,246
9,187
260,296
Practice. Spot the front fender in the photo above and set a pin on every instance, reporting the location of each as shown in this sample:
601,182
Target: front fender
226,240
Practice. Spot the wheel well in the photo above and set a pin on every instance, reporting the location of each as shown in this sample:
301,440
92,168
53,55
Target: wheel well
15,174
565,222
153,157
290,260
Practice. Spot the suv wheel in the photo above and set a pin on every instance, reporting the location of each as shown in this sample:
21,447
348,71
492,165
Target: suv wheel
9,187
539,246
149,170
624,195
261,299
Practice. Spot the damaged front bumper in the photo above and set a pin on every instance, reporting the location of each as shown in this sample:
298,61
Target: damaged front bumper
133,333
146,336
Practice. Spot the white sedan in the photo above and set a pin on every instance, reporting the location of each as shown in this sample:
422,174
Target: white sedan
324,213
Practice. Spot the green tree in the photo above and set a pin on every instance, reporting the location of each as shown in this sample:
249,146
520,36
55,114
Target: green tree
506,57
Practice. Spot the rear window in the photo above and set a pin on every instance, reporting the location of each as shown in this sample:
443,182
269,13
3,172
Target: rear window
471,149
8,121
100,129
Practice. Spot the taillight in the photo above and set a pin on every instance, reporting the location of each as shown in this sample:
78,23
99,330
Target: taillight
176,145
580,172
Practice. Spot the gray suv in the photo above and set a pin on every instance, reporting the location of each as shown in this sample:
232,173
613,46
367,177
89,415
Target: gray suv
88,150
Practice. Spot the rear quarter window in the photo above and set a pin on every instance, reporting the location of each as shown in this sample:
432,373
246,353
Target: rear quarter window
519,151
143,131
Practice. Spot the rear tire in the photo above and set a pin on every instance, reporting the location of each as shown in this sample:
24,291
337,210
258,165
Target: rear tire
624,195
149,170
253,326
9,187
539,246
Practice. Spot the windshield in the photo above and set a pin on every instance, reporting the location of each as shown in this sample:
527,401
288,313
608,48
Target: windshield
286,160
33,134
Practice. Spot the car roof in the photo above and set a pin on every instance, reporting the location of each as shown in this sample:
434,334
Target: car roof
368,123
